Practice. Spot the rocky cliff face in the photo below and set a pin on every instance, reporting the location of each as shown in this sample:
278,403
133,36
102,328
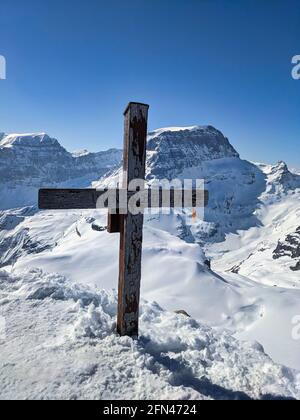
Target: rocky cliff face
171,150
203,152
289,247
281,179
31,161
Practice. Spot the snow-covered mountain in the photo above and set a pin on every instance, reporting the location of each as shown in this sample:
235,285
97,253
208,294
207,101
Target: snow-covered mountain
31,161
250,231
280,178
174,149
203,152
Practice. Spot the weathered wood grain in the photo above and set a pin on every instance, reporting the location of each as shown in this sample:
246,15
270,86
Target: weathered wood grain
134,162
129,225
64,199
114,223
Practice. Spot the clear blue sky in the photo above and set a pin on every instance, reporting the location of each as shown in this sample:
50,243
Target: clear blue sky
73,65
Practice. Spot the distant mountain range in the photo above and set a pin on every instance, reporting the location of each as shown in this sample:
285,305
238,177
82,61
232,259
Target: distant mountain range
238,188
31,161
249,232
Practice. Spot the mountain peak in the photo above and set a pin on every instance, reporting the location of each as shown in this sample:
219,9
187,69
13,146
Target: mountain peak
28,140
79,153
32,161
174,131
280,178
280,169
172,149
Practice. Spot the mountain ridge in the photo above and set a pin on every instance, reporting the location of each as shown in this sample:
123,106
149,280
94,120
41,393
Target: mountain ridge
32,161
253,212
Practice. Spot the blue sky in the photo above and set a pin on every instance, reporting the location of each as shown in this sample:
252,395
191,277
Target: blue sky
73,65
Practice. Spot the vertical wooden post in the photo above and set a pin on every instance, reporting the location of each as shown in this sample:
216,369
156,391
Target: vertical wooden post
131,226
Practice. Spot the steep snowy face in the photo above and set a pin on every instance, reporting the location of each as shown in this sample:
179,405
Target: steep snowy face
31,161
1,136
281,179
203,152
269,252
171,150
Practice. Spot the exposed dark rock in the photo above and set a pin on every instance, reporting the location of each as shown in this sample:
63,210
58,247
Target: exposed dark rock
182,312
289,247
98,228
170,150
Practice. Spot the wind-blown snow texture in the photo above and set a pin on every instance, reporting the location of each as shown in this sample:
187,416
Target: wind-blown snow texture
250,233
70,350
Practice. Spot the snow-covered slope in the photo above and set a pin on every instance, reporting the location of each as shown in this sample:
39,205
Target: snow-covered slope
268,252
60,343
31,161
250,232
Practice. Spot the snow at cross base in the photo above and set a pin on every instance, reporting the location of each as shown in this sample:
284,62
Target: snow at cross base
59,272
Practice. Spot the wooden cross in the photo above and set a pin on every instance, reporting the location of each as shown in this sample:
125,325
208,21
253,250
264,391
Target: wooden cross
130,226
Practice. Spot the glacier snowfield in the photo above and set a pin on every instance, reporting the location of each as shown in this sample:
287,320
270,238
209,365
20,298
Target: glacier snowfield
59,272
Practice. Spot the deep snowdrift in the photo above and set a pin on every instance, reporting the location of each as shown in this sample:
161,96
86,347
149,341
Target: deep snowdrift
59,342
174,273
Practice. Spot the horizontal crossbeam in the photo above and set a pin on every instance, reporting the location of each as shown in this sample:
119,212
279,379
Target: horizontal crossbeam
69,199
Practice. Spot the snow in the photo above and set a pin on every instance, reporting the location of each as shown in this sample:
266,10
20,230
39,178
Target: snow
27,140
32,161
251,251
78,153
246,257
69,317
159,131
174,273
61,344
189,129
187,282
